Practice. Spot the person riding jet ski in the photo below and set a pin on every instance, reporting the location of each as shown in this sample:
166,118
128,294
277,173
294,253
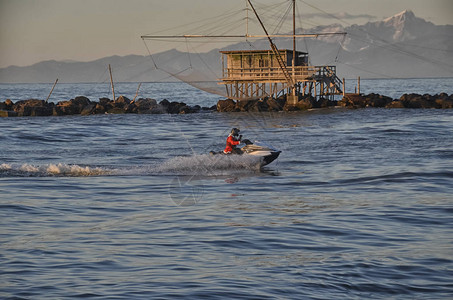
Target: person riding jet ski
232,141
265,153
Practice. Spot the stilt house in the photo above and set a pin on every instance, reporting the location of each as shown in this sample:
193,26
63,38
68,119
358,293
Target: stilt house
257,74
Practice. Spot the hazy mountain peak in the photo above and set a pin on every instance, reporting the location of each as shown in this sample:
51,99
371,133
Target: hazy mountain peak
405,25
404,16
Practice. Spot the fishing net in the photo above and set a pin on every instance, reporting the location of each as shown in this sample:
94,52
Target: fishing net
202,53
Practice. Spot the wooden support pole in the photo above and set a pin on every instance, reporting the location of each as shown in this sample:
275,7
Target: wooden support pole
136,94
111,82
344,87
294,49
358,85
52,89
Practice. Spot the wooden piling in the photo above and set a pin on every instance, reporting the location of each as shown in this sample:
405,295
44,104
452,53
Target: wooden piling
111,82
358,85
136,94
52,89
344,87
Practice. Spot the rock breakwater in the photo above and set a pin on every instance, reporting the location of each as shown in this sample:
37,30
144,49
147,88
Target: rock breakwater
438,101
83,106
122,105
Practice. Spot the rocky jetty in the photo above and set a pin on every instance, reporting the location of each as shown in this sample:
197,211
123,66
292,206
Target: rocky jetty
405,101
122,105
83,106
438,101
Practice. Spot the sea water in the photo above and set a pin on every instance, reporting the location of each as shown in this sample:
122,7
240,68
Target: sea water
359,204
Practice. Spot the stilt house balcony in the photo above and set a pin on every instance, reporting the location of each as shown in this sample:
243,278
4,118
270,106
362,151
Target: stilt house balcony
262,66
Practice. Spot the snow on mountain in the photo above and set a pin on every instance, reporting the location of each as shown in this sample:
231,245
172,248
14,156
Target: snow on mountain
399,46
403,26
406,26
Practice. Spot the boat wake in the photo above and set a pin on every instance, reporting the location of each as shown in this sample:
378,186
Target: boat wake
49,170
209,165
199,165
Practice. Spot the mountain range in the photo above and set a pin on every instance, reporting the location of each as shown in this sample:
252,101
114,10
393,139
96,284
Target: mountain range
401,46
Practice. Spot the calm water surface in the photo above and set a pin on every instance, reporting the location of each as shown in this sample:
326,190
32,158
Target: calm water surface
358,206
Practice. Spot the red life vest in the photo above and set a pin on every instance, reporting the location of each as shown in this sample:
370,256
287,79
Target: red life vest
230,143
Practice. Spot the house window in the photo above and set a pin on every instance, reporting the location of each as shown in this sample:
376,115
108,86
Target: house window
249,61
263,63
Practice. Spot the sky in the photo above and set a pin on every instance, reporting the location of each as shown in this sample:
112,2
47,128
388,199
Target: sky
83,30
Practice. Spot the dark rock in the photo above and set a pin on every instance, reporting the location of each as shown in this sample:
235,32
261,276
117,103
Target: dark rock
406,97
361,101
303,104
104,101
440,96
100,109
417,101
185,110
30,102
227,105
444,103
354,101
131,108
395,104
7,105
343,102
116,111
42,111
323,103
275,104
103,106
158,109
8,113
376,100
73,106
429,97
441,100
173,107
145,104
289,107
413,101
121,102
245,105
66,108
57,111
261,105
81,101
33,107
165,103
211,108
89,110
195,108
150,106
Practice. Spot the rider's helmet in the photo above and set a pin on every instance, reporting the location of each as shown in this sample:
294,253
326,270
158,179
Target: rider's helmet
235,132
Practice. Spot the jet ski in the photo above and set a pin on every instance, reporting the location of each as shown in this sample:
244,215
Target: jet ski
266,153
